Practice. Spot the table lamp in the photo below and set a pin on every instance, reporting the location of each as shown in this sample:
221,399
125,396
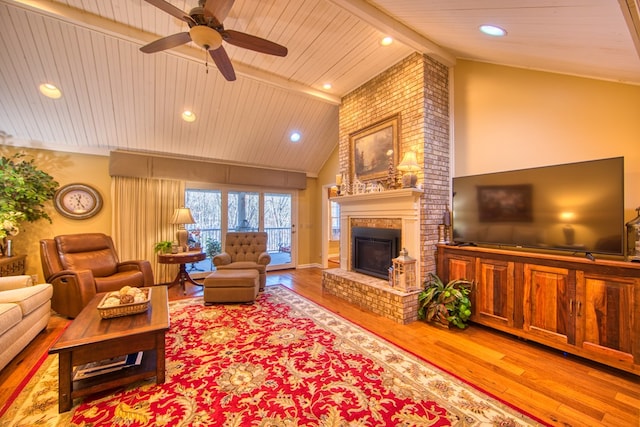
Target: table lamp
182,216
409,165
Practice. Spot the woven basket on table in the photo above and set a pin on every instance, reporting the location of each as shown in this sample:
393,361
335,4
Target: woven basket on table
124,309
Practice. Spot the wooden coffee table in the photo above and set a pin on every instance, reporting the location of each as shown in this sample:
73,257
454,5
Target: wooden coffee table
90,338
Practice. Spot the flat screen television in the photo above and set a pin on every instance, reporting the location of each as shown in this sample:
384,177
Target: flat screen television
576,207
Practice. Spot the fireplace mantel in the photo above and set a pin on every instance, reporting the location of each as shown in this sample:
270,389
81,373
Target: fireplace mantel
388,196
402,204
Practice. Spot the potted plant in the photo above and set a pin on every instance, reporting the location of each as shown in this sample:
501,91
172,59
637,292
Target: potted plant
23,191
212,248
445,304
163,247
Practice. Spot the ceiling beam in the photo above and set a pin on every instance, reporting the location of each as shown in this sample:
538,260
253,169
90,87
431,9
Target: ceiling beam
115,29
631,11
385,23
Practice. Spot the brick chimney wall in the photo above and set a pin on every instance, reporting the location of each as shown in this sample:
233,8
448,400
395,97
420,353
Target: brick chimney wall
417,88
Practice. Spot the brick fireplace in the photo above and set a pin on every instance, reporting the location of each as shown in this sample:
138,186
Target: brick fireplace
393,209
417,91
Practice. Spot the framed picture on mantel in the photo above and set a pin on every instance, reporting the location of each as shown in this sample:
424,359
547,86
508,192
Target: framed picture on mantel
374,148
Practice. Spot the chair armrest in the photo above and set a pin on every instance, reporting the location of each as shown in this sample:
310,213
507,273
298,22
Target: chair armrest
72,291
15,282
222,259
142,265
264,258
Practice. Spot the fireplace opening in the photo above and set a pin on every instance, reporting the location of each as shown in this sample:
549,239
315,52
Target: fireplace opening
372,250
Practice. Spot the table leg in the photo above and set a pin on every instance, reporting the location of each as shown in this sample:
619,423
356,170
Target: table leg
160,358
182,277
65,382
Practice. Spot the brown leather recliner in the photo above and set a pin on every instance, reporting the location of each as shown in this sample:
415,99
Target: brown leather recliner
245,251
81,265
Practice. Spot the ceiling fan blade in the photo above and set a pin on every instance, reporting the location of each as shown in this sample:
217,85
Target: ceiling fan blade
218,9
166,43
258,44
172,10
223,63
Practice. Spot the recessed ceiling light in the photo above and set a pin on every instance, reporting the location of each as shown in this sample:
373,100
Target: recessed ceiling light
386,41
50,91
327,86
295,136
493,30
188,116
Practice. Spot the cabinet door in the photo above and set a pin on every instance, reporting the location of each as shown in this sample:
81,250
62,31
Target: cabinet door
549,294
459,267
607,315
493,296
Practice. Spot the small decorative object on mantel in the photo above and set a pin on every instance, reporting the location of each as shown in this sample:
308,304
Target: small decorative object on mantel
404,272
339,184
409,165
633,238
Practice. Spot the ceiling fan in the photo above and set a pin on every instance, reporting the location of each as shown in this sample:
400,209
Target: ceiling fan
206,30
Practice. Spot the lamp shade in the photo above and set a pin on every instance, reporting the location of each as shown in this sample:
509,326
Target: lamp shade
182,216
409,162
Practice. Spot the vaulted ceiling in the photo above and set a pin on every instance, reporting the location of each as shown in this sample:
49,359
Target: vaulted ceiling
116,97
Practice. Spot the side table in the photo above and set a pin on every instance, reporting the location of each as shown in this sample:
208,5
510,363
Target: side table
12,265
182,258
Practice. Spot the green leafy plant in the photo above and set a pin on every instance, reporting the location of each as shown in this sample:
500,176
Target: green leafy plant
445,304
212,248
163,246
24,188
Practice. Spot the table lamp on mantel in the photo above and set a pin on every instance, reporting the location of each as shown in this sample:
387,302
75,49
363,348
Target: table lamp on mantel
409,165
182,216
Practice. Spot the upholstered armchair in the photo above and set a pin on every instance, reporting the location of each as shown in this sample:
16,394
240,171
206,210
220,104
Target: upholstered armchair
244,251
81,265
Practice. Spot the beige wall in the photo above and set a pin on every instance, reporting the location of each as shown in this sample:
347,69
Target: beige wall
509,118
327,176
308,224
66,168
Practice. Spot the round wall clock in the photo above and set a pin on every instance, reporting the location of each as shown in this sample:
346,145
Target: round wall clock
77,201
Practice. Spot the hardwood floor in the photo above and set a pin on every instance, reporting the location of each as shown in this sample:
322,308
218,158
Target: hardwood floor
560,389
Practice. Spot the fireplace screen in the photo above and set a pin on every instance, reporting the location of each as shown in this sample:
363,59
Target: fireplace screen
372,250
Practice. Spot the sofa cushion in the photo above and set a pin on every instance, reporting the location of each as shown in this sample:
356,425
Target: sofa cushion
29,298
10,316
243,265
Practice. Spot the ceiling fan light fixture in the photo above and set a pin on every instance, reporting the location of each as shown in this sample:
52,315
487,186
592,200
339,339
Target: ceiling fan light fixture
50,91
205,37
493,30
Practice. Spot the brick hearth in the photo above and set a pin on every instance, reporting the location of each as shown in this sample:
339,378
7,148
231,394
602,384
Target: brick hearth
372,294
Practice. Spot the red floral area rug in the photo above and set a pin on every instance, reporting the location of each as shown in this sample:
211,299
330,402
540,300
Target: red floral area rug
283,361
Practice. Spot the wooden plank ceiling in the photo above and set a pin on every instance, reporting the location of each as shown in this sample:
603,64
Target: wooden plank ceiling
115,97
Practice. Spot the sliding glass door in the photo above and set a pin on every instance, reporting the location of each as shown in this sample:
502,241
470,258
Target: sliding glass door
278,223
272,212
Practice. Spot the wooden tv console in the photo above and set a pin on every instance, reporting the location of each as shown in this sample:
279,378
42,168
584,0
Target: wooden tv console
587,308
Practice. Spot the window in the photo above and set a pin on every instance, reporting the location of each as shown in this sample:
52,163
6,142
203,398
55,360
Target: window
334,218
218,211
206,208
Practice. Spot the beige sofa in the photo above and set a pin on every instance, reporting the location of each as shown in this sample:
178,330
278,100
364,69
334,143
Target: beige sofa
25,310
